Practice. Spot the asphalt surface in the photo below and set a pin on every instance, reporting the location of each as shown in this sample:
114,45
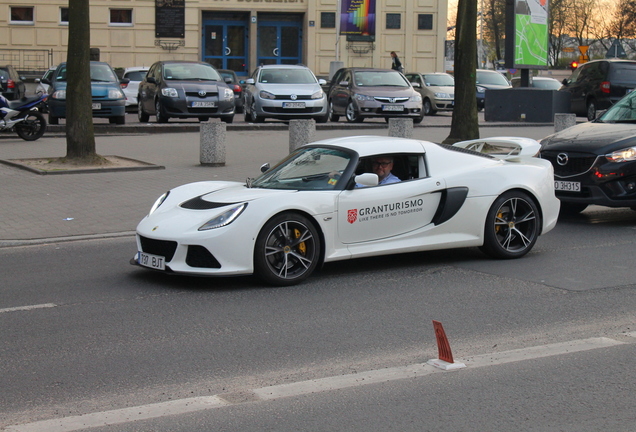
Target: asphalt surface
42,208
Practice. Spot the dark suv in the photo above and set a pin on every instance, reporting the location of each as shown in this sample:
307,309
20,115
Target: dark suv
12,85
598,84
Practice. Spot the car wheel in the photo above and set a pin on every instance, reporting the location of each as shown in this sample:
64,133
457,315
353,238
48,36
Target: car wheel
572,208
324,118
228,119
141,114
53,120
204,119
419,118
287,250
120,120
427,108
591,110
333,116
32,127
253,117
160,115
512,226
352,114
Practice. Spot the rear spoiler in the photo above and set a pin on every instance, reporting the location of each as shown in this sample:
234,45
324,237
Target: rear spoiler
505,148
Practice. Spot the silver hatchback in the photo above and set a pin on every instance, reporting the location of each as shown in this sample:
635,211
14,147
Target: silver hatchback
284,92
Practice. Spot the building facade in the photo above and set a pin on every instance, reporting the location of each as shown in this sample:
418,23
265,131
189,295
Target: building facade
230,34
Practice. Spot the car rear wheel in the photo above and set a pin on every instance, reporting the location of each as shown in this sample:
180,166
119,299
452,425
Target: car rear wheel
253,117
287,250
32,127
427,107
141,114
160,115
120,120
572,208
332,116
53,120
591,110
228,119
512,226
352,114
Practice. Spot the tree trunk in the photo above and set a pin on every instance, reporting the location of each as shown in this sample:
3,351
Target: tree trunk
80,136
465,123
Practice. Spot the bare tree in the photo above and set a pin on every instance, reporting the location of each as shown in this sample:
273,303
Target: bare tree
465,124
80,136
494,15
557,28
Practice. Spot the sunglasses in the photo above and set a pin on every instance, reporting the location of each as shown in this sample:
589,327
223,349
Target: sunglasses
381,163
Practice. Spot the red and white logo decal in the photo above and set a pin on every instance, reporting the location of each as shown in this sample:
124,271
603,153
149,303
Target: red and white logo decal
352,215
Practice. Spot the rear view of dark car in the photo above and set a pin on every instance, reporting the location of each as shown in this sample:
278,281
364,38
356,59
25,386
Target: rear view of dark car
184,89
12,85
599,84
232,80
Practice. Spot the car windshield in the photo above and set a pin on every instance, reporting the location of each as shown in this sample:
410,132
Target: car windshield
439,80
287,76
102,73
190,72
136,75
623,111
308,168
494,78
379,78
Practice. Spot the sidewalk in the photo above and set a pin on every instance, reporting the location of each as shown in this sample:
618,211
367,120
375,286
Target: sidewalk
42,208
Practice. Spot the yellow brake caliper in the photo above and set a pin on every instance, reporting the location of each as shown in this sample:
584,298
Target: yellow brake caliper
302,247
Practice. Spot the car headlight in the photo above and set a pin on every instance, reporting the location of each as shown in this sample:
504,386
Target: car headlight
157,203
60,94
116,94
442,95
228,94
267,95
481,89
169,92
318,95
362,97
416,98
623,155
225,218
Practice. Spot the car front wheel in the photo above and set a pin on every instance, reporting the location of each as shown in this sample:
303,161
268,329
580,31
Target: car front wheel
352,114
512,226
141,114
161,116
253,117
287,250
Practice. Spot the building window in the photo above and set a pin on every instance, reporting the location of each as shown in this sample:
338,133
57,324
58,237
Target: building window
64,15
121,17
393,21
327,20
425,22
22,15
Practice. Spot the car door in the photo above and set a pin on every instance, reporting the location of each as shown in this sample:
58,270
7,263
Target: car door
340,93
147,90
387,211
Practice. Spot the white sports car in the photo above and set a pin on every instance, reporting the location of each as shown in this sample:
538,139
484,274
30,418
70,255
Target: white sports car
322,203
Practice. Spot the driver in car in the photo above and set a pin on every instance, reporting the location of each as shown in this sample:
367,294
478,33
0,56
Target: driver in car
382,166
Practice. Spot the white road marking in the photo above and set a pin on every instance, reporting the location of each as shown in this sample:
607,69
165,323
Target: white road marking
182,406
27,308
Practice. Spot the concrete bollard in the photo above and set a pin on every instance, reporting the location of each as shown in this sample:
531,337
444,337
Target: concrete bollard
212,143
563,121
401,127
301,132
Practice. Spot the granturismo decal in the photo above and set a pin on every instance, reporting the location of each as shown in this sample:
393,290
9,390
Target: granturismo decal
385,210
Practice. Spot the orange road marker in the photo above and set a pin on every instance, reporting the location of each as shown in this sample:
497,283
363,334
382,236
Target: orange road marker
445,360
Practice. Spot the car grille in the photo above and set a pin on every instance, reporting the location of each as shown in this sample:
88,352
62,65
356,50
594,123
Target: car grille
198,256
288,97
391,99
162,248
196,94
577,163
278,110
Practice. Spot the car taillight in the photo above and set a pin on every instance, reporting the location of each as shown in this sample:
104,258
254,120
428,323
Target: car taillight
10,84
237,88
605,86
124,85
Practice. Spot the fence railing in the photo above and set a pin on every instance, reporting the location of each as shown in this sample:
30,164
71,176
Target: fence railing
27,61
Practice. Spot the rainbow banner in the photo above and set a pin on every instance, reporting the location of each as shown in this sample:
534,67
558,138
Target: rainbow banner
357,17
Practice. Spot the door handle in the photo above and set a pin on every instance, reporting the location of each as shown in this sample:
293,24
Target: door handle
275,52
228,51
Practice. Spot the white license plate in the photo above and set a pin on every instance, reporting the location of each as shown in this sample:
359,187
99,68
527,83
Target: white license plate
97,106
294,105
202,104
153,261
392,107
567,186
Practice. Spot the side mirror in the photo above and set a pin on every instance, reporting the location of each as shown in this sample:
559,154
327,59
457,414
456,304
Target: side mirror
249,81
45,81
367,179
322,82
416,85
344,83
265,167
565,81
124,81
228,80
151,80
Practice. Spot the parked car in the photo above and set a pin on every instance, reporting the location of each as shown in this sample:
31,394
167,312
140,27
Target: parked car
358,93
489,80
43,88
306,210
184,89
284,92
12,85
108,99
135,75
437,90
598,84
546,83
233,81
595,162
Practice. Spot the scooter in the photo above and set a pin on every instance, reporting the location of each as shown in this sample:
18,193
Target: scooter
23,116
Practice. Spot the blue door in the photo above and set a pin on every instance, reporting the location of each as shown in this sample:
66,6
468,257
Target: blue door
279,42
225,45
